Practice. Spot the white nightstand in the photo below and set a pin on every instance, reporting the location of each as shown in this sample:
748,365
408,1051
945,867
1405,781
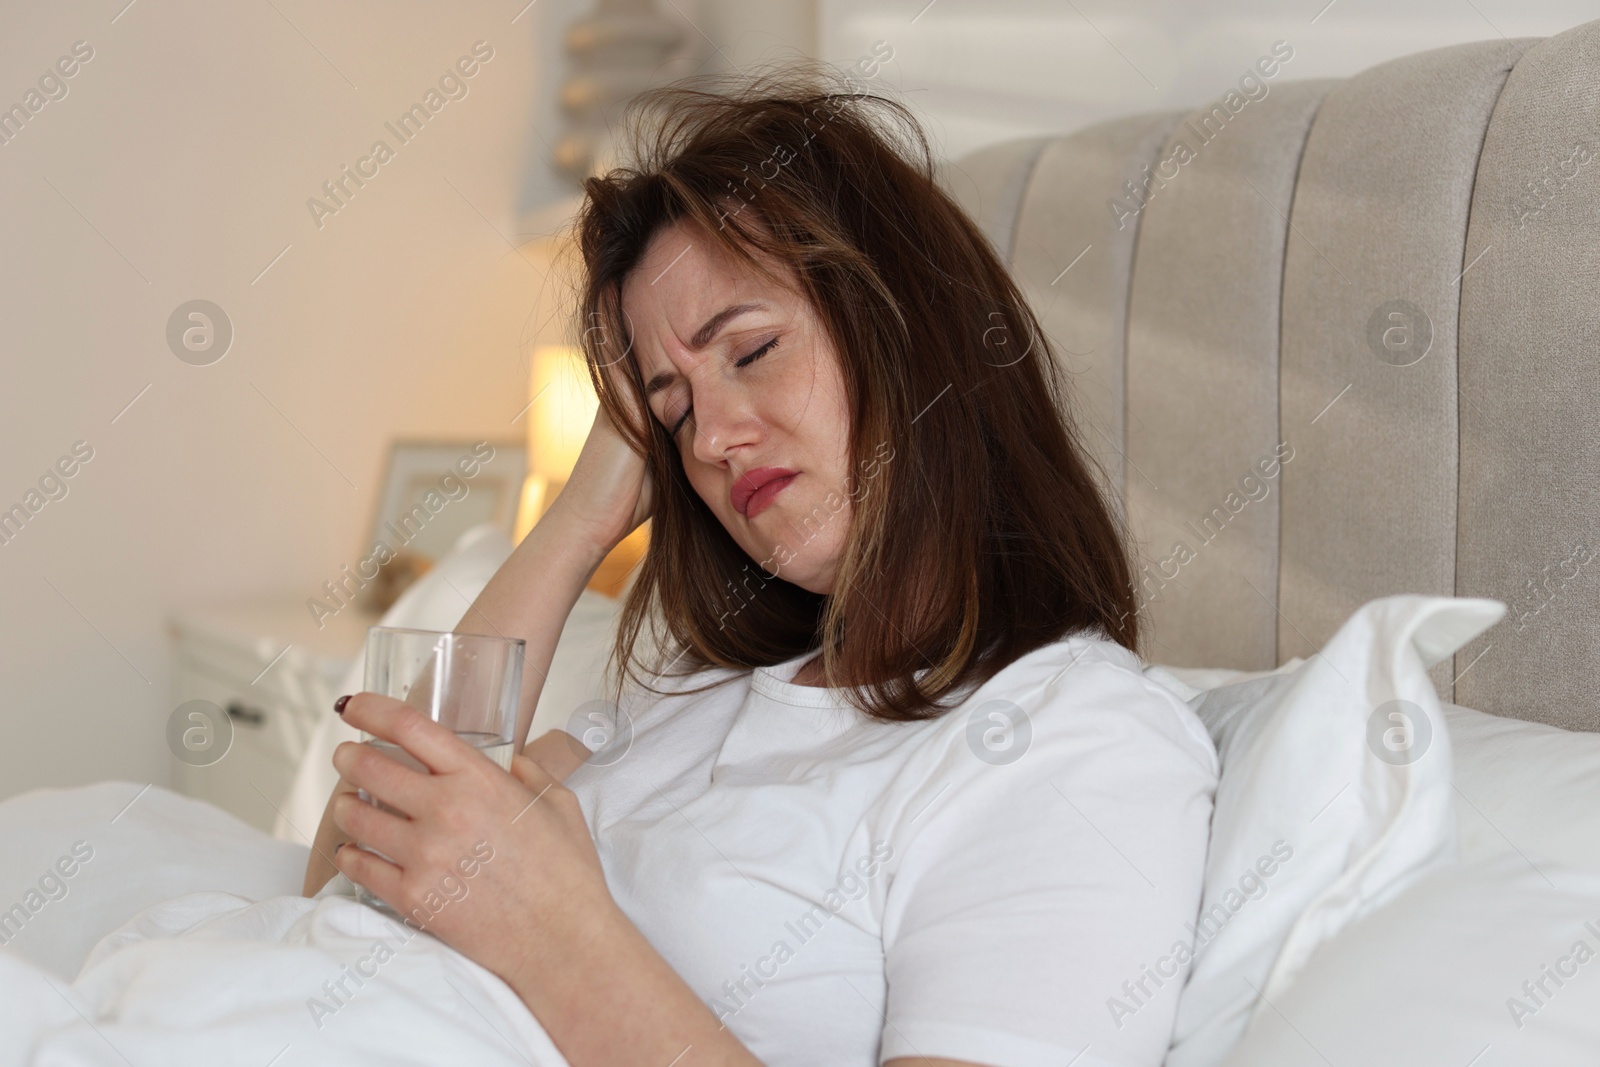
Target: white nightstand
273,674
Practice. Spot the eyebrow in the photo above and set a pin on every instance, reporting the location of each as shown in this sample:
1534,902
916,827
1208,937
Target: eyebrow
702,337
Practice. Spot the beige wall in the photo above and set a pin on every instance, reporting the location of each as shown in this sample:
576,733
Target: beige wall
994,70
177,167
190,144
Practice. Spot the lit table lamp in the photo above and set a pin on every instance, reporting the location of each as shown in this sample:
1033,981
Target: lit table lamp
562,409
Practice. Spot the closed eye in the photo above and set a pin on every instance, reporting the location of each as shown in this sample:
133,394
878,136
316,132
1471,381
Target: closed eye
742,361
745,361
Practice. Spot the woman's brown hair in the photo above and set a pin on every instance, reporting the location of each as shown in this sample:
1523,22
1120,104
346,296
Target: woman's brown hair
979,532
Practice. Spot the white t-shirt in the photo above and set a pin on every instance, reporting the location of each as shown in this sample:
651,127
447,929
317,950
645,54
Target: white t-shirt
842,891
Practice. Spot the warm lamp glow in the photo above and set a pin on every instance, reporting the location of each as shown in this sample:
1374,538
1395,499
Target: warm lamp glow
561,401
562,408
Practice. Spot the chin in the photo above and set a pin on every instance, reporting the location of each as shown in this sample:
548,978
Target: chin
812,564
811,582
807,568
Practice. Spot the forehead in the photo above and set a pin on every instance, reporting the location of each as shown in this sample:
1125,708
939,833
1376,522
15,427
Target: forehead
684,278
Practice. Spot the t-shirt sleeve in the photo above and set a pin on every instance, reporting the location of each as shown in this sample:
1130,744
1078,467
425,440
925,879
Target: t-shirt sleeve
1050,848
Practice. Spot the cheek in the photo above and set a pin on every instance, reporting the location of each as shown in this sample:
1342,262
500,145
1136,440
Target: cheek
706,482
810,397
825,536
808,407
825,434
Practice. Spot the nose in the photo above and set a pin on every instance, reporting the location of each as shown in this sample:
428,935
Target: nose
726,424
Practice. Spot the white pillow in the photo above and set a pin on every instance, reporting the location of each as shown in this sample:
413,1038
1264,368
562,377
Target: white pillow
1438,977
437,601
1511,778
1526,789
1318,821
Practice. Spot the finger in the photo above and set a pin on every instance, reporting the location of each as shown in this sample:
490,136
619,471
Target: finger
393,835
371,872
383,777
435,746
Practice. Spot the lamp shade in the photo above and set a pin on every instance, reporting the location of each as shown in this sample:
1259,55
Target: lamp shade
562,403
563,409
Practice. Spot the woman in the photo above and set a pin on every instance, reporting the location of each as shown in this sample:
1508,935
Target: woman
897,790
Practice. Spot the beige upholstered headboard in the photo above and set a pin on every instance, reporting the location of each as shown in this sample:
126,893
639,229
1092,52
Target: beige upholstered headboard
1343,342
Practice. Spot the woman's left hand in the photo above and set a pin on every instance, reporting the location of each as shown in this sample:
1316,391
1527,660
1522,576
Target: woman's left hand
488,862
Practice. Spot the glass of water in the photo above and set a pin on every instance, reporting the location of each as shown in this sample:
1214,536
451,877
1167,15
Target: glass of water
468,683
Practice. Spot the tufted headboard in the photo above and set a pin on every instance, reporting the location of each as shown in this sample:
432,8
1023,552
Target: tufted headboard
1340,341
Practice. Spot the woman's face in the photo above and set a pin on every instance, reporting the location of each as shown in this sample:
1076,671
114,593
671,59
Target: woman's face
742,374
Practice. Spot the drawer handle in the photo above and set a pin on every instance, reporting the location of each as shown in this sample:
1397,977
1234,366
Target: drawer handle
253,716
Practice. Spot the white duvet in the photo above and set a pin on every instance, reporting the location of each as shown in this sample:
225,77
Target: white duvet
141,927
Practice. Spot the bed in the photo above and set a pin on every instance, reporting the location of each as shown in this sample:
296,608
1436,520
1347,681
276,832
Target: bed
1336,346
1336,340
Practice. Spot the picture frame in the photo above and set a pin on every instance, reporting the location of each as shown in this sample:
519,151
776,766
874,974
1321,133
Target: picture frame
432,492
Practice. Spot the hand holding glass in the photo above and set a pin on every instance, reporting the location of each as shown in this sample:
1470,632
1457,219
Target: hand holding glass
469,683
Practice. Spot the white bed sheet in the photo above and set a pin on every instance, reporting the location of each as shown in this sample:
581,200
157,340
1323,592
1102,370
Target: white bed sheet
182,939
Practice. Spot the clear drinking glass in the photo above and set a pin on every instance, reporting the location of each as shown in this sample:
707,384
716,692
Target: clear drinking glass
469,683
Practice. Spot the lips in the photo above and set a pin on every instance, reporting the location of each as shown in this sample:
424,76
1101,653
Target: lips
757,488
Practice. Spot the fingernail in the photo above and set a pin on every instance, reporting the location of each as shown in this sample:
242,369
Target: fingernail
338,705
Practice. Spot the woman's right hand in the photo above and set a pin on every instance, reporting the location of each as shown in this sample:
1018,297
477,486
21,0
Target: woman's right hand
609,492
556,752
